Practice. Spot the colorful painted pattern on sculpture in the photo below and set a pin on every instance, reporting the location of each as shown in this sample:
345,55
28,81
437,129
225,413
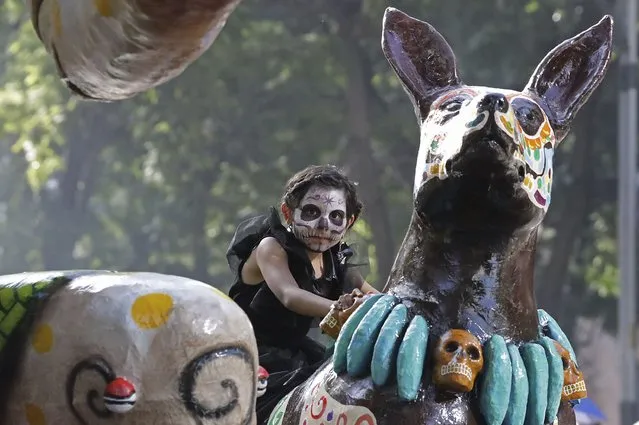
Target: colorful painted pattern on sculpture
535,151
322,409
443,133
441,139
14,303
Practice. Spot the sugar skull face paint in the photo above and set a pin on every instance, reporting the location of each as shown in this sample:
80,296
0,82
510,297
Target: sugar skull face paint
320,220
459,113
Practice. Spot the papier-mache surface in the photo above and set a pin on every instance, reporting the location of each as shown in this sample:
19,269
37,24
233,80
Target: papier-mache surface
187,350
115,49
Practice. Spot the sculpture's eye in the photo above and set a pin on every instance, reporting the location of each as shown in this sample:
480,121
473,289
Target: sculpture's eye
218,387
529,115
452,105
450,108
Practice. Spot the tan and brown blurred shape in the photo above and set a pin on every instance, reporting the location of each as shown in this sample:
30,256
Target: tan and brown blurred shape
340,311
109,50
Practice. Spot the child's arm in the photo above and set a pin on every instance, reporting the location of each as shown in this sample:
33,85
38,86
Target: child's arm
273,264
357,281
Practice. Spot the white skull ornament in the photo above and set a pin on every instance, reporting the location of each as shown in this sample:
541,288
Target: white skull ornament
458,361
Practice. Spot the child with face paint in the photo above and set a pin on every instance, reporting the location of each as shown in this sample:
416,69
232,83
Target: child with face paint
288,274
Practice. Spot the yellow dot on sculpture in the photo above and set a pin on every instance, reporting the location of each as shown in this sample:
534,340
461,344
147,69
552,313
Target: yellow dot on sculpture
220,293
35,415
57,18
152,310
42,340
104,7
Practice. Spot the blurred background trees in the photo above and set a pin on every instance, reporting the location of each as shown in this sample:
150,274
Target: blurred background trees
160,182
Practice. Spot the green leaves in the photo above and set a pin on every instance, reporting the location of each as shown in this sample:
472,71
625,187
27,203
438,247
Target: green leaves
159,182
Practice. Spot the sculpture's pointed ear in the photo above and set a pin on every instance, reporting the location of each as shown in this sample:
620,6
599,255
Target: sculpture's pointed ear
419,55
567,76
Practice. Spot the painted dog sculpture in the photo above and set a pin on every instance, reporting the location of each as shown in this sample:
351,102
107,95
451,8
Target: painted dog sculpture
460,316
97,347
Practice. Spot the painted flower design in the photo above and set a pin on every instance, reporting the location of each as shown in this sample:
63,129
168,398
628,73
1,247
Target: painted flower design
528,181
507,124
534,143
434,144
546,131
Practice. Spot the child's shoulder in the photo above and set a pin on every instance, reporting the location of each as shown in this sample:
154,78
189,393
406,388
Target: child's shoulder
270,245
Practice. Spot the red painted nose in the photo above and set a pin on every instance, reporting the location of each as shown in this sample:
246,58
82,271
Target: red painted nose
119,395
119,388
262,373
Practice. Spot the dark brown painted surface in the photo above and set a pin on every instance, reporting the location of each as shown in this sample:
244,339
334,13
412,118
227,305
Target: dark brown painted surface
467,259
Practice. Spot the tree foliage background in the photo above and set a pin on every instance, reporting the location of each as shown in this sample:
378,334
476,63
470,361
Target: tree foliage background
160,182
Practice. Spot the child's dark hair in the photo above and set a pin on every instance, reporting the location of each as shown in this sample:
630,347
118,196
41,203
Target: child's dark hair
322,175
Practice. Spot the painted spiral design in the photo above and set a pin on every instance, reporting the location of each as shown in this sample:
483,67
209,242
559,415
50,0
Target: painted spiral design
103,368
230,388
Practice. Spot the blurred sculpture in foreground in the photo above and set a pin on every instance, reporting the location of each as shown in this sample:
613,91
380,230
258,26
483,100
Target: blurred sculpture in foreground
90,347
108,50
457,339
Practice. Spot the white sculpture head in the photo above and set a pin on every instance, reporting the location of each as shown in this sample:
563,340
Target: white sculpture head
137,349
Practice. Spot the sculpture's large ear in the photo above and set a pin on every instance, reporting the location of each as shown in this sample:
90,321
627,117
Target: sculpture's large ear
419,55
567,76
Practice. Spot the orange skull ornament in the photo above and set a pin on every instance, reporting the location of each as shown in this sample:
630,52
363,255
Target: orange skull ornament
458,361
574,383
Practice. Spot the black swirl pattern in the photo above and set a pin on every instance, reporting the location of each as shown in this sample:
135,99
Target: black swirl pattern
188,380
102,367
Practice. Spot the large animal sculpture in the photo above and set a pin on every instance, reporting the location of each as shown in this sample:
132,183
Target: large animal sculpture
457,339
109,50
93,347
